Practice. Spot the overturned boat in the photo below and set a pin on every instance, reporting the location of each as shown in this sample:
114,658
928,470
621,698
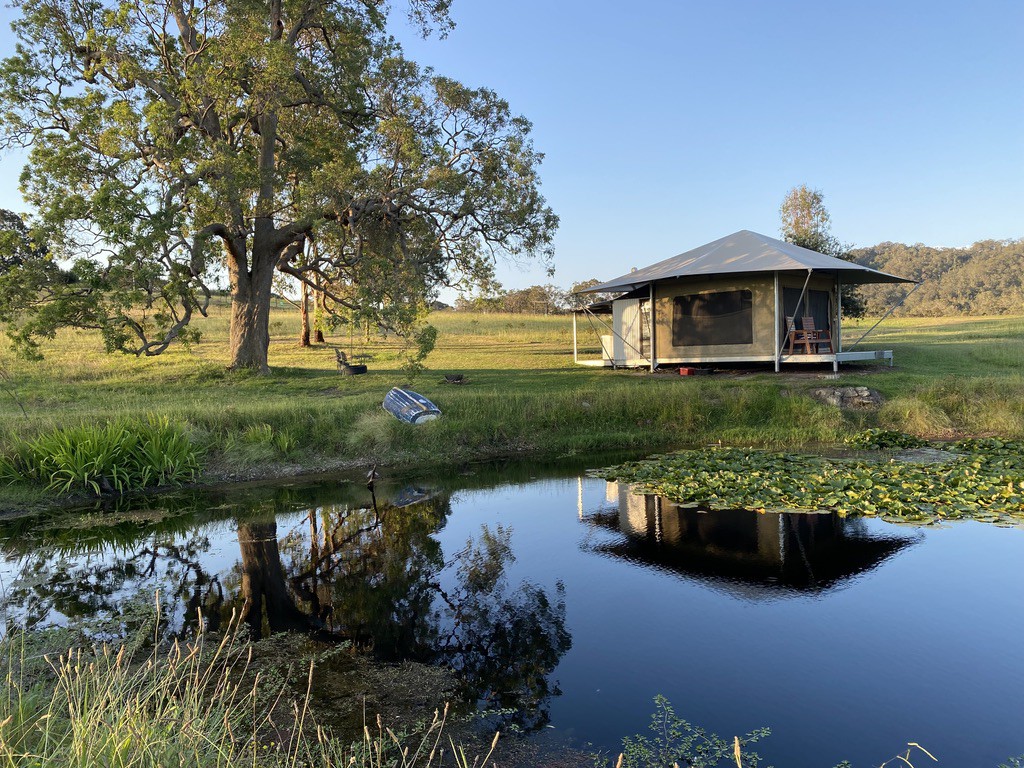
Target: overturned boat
410,407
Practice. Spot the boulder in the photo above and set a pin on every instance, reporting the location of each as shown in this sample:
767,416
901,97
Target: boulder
848,397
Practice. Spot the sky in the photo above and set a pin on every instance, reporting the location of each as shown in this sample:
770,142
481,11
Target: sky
668,124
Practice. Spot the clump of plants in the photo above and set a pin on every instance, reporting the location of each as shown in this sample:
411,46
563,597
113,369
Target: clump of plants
678,742
983,482
883,439
114,457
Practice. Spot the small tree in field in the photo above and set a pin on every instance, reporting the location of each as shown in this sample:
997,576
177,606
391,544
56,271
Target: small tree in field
807,223
175,140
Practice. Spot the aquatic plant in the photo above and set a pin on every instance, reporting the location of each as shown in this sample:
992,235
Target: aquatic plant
121,455
678,742
986,483
881,439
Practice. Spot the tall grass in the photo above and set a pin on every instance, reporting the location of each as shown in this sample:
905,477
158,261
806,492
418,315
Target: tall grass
193,704
119,456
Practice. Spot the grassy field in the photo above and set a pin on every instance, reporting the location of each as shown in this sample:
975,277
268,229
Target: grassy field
524,396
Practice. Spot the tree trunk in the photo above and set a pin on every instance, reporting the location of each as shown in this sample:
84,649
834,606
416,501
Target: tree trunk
304,314
250,315
318,302
263,583
250,332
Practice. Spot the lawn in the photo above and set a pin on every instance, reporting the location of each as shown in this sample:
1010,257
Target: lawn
524,396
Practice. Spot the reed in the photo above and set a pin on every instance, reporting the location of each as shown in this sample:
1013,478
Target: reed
197,704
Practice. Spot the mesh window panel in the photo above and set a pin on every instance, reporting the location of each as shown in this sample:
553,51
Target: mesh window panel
816,304
707,319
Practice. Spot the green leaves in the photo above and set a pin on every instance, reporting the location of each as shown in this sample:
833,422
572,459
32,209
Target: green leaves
880,439
985,482
118,456
157,128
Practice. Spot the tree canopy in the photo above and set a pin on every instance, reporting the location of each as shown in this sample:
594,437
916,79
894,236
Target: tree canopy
805,221
175,141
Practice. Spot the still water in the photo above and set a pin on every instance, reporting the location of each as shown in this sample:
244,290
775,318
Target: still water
570,603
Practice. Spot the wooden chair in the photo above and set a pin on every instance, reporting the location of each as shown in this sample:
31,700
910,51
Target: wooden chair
815,336
807,336
797,336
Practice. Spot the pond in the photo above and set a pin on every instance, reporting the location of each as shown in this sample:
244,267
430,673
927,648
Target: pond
565,604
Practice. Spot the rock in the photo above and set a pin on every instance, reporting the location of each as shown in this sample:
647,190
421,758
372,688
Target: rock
848,397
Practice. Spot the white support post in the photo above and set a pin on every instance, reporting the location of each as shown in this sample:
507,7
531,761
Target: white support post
654,361
575,348
839,313
796,311
778,349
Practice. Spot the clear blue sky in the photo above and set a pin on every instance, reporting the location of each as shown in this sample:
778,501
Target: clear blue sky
669,124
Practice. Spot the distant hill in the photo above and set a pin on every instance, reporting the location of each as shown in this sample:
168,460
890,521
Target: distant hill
986,278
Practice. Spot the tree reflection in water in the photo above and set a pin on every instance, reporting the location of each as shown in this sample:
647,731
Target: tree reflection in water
376,577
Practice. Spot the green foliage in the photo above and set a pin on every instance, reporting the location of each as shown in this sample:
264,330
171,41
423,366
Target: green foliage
423,341
981,279
984,484
677,742
954,378
297,140
881,439
118,456
807,223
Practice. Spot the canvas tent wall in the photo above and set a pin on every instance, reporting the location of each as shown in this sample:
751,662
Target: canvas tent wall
731,316
728,301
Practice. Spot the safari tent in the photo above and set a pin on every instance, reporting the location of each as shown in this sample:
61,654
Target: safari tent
744,298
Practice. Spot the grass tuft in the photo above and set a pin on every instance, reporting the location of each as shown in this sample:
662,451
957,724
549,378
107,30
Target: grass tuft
194,704
121,455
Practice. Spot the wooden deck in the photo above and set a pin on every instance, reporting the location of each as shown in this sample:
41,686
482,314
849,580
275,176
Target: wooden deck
881,355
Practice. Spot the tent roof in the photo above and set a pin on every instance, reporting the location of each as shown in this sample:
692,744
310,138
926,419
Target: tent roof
745,252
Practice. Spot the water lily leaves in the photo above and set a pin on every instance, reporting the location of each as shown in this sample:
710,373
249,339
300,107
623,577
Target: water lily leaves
985,481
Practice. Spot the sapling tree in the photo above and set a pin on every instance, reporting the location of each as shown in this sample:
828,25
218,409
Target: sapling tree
175,141
806,222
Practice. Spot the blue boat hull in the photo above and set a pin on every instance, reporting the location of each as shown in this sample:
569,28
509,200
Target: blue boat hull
410,407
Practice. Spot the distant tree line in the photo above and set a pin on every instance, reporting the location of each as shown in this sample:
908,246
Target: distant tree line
536,300
986,278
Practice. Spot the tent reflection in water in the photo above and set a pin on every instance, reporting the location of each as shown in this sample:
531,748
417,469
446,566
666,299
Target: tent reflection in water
752,554
744,298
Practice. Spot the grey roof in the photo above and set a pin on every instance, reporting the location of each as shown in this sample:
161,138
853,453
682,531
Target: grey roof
744,252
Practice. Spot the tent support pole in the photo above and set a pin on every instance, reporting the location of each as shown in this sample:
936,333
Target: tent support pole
839,312
777,319
892,309
654,362
575,348
796,312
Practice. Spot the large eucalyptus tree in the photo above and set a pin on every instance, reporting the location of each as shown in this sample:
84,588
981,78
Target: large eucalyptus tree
175,140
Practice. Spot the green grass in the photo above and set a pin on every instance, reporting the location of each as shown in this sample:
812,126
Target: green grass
954,378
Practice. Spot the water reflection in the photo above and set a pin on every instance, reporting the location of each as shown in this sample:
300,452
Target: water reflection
751,554
338,569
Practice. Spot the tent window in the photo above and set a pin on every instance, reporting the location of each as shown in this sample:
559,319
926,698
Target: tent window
707,319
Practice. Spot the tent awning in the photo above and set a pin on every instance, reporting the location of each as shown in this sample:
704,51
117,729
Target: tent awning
746,252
